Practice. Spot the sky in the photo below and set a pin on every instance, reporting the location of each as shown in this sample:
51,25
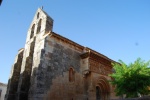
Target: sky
118,29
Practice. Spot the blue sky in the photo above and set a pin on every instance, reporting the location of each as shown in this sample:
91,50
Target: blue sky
119,29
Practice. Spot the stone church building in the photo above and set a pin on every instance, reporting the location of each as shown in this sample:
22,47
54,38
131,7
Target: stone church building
52,67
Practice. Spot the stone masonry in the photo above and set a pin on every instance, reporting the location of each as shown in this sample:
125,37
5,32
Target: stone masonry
52,67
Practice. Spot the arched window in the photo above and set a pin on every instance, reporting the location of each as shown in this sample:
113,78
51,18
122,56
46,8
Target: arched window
32,31
71,75
98,97
38,15
39,26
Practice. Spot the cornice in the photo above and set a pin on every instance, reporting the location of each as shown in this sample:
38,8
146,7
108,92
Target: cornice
67,40
88,52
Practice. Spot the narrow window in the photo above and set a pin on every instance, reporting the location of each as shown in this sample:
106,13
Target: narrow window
39,26
32,31
37,15
71,75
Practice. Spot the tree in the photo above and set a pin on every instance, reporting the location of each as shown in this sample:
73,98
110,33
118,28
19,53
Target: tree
132,79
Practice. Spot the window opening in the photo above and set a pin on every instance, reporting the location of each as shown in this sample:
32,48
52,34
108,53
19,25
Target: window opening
38,15
39,26
32,31
71,75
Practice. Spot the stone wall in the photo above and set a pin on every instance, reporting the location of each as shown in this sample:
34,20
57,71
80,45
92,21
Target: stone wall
14,77
3,88
52,73
26,69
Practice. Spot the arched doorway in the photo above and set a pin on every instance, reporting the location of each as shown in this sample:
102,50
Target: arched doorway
102,89
98,93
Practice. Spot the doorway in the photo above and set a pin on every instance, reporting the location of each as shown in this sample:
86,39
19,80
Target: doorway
98,93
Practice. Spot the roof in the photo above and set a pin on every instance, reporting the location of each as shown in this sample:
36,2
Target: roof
81,47
2,84
68,40
40,9
76,44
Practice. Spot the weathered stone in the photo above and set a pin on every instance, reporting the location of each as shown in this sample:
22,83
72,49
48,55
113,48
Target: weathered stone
52,67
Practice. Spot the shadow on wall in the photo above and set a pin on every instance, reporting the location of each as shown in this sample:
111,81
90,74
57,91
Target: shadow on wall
36,82
53,68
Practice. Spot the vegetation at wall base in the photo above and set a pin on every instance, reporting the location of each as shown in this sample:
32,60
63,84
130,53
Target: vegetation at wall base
132,80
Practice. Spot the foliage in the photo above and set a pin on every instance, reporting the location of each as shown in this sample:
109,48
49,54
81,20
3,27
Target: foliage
132,79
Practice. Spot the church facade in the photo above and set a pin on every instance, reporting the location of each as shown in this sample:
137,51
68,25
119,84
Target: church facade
52,67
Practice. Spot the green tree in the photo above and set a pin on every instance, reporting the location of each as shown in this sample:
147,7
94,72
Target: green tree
132,79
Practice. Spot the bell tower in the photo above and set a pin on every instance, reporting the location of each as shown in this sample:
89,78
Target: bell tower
28,58
42,24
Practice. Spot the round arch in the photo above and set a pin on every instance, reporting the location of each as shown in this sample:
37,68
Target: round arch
102,89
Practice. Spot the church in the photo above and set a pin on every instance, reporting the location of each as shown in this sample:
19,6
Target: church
52,67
